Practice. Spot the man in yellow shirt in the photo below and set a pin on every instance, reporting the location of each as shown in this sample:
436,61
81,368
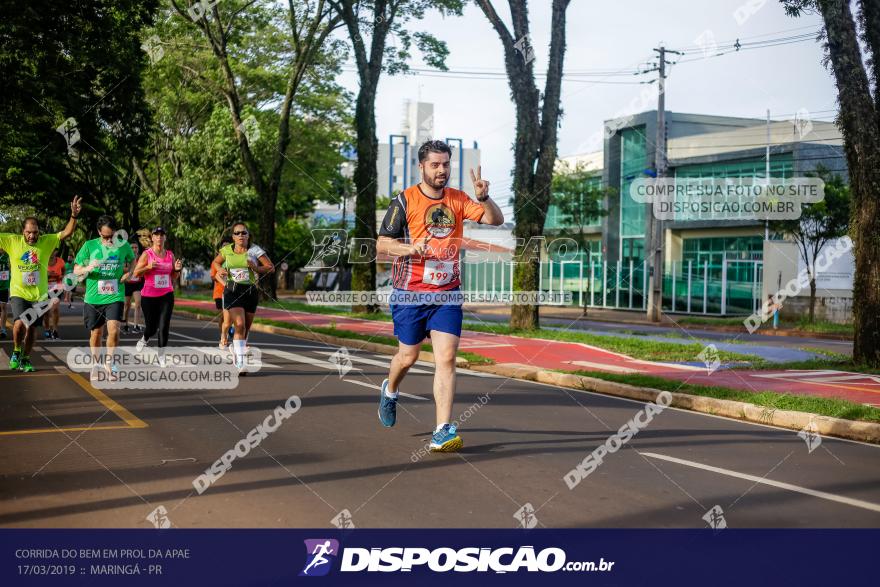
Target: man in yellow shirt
29,254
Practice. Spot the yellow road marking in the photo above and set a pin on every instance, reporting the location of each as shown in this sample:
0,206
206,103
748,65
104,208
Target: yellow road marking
123,414
65,429
29,375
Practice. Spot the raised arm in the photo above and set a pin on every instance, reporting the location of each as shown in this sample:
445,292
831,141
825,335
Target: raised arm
75,209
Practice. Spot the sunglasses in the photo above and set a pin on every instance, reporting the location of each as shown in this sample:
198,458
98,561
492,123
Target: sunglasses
240,233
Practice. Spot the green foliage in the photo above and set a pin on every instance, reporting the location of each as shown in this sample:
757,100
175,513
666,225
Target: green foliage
80,60
579,195
293,243
821,221
198,184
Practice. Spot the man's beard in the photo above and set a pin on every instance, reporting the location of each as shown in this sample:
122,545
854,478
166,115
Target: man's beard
437,184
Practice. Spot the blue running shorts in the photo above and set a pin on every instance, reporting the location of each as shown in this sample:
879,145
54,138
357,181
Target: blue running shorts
416,314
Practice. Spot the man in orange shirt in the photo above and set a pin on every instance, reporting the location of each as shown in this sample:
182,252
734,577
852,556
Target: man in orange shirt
422,230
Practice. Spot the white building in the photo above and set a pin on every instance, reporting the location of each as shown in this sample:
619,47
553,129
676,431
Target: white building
398,162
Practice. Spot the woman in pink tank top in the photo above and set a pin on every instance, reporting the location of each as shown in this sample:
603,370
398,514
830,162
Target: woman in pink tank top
158,268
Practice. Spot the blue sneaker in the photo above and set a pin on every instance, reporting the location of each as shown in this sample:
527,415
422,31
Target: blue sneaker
387,407
446,439
230,333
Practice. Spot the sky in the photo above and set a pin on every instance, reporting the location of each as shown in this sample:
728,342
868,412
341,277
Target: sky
613,37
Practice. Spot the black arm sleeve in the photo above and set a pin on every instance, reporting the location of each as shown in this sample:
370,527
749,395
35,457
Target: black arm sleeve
394,222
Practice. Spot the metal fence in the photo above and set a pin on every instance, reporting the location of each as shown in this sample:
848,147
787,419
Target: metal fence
732,287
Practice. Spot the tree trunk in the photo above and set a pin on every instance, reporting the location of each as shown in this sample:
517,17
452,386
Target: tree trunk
858,122
268,202
812,300
535,143
363,276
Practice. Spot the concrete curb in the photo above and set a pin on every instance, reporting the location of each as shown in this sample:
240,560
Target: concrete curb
825,425
352,343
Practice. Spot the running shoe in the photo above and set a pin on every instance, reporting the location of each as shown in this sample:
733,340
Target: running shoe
140,344
162,361
446,439
387,407
2,333
47,334
112,372
95,374
125,328
15,360
26,365
242,368
230,334
55,335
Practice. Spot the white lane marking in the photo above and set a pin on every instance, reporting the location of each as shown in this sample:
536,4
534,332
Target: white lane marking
223,353
385,364
678,366
795,488
49,357
291,345
305,346
304,359
478,344
188,337
795,373
371,386
603,367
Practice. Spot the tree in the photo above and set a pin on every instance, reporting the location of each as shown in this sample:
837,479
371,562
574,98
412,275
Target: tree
859,122
193,172
534,148
310,22
578,194
819,223
376,20
74,66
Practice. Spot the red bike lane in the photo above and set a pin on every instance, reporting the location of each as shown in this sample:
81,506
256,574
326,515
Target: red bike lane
570,356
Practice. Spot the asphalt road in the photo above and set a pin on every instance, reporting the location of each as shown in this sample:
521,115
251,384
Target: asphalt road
76,456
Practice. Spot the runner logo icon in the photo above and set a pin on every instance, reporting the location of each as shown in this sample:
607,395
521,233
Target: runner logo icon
30,257
320,554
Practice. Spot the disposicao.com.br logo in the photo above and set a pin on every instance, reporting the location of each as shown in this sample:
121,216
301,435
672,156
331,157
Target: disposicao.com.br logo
442,560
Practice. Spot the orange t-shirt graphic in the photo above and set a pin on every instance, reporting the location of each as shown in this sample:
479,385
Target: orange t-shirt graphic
414,217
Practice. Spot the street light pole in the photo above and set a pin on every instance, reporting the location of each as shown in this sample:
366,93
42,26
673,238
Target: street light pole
655,233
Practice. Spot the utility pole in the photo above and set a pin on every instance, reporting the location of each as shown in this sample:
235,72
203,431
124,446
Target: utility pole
655,233
767,174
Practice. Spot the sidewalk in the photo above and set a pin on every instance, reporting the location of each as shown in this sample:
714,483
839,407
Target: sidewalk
628,318
555,355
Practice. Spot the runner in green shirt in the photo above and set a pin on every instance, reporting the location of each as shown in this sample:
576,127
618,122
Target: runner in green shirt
105,262
28,281
4,290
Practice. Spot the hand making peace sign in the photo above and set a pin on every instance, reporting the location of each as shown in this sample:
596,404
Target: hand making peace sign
481,186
